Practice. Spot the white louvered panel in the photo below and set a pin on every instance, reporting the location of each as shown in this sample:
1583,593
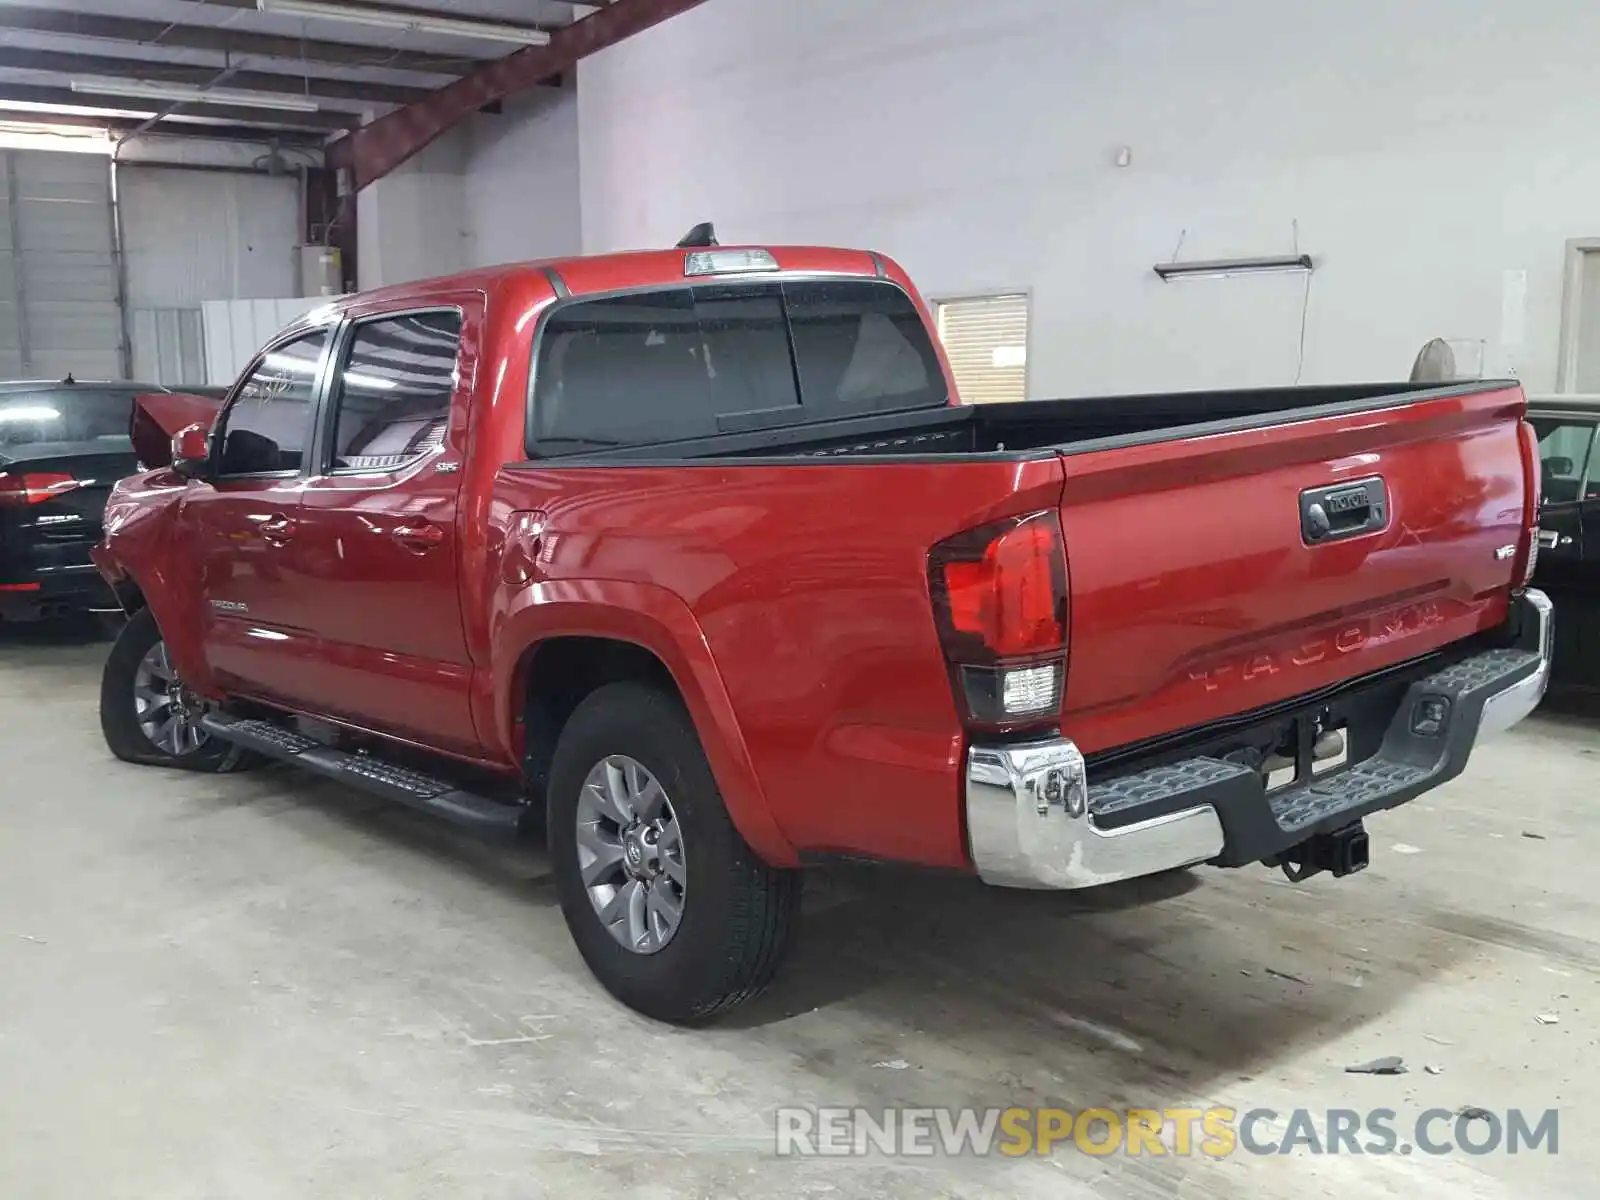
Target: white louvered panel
235,329
986,340
168,346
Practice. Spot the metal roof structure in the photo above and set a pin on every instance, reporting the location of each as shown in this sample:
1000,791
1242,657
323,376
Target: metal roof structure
299,72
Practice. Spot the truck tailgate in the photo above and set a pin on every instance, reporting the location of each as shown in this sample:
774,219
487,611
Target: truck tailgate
1201,588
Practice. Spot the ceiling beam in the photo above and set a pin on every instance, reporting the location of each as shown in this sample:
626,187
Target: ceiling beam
298,138
14,93
108,67
443,8
375,149
223,40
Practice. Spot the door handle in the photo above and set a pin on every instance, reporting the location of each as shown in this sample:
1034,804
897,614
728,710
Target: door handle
418,538
278,529
1549,539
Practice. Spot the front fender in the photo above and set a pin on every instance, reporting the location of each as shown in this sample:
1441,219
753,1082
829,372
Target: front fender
658,621
138,548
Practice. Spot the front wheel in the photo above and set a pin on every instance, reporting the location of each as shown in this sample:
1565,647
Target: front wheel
670,908
146,713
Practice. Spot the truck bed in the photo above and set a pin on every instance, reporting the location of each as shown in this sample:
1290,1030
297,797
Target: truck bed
1066,426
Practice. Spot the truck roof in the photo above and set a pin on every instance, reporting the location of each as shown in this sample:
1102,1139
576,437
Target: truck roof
622,270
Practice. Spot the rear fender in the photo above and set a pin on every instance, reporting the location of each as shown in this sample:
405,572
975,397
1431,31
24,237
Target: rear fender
658,621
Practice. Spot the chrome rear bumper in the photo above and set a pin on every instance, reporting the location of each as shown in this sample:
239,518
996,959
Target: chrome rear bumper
1035,821
1506,707
1029,825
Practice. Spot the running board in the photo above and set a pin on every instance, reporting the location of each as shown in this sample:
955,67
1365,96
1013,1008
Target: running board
368,773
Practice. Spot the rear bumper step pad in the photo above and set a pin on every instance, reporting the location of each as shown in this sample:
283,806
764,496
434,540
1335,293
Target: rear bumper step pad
368,773
1036,819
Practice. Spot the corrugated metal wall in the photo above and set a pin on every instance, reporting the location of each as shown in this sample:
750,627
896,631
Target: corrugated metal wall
191,237
58,275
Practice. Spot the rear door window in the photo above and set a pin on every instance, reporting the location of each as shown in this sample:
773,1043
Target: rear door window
692,362
392,394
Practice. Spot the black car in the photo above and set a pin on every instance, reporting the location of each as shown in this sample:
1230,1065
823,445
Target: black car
1569,532
62,445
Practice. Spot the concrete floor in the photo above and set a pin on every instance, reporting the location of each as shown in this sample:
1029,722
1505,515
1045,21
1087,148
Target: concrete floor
268,986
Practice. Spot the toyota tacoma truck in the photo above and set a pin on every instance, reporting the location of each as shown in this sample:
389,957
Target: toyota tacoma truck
693,556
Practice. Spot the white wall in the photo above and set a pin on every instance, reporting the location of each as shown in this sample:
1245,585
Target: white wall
1425,150
522,197
501,188
411,224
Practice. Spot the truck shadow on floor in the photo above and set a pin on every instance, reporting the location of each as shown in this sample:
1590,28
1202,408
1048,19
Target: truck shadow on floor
1178,979
1155,988
84,630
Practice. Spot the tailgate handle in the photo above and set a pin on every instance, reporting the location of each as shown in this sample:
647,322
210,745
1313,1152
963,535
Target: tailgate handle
1330,514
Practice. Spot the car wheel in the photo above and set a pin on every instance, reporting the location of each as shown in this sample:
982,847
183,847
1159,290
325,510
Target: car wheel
670,908
146,713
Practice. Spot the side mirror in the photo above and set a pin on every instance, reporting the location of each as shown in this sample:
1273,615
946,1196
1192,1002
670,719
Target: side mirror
191,452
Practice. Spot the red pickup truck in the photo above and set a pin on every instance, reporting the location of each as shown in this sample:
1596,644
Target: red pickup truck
694,555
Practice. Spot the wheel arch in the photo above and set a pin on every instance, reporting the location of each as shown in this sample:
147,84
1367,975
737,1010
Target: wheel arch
559,646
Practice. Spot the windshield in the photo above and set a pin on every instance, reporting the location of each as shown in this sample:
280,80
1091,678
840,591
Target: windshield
66,415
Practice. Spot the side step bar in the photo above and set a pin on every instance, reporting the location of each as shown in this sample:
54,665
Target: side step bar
368,773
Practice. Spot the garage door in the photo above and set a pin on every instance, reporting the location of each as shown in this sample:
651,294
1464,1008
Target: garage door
58,274
189,237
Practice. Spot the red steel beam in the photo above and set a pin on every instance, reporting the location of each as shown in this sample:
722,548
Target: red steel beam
374,150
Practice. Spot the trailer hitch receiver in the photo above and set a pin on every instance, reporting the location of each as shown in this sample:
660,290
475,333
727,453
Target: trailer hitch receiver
1342,852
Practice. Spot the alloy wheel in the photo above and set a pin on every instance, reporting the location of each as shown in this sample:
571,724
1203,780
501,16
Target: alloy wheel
630,854
169,715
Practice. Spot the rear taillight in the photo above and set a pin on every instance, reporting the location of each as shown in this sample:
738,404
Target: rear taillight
1000,602
1528,550
33,487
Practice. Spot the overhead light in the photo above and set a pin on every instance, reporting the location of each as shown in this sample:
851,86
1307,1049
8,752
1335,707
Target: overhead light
68,139
407,19
190,94
1234,266
87,109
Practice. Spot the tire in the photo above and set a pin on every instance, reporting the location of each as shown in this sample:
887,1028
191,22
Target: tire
736,911
108,626
120,712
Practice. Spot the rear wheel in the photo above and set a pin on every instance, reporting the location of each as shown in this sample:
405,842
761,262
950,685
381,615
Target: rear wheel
147,714
670,908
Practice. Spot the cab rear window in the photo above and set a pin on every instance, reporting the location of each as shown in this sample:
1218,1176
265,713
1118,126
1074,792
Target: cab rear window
691,362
